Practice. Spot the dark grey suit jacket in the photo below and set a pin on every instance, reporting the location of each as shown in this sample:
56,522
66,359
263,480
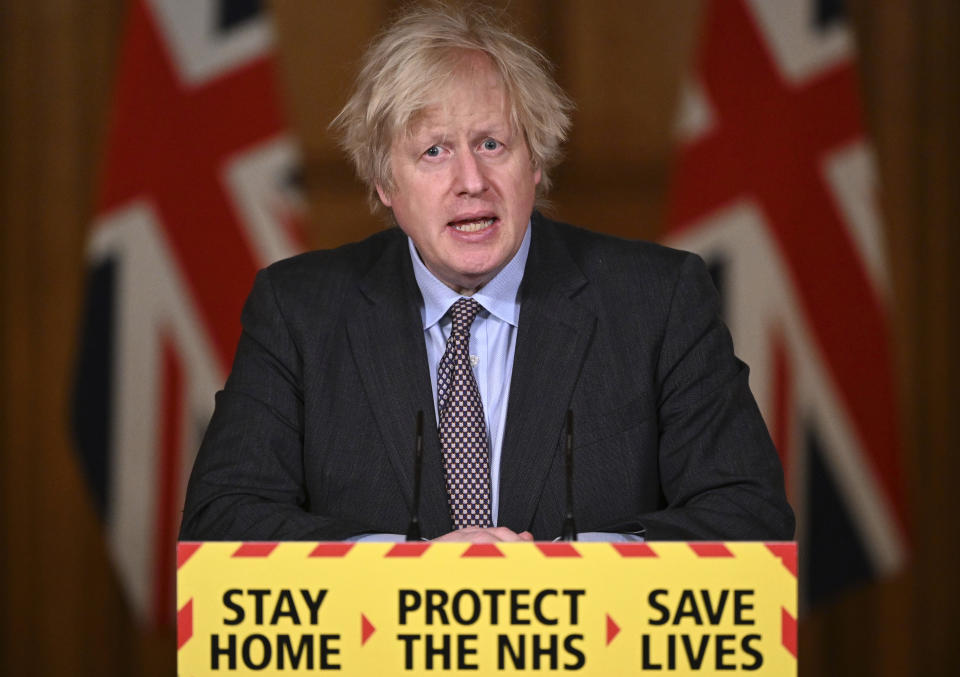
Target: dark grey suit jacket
313,434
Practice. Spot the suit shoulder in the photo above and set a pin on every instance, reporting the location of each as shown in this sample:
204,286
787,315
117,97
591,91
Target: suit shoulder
341,265
593,250
643,275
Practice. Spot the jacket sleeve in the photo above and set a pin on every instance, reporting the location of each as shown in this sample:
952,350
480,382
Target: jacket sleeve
248,479
719,471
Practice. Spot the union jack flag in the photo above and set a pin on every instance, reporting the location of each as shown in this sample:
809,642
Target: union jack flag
775,188
196,195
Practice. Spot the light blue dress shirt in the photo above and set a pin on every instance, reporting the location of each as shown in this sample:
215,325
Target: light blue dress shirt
493,340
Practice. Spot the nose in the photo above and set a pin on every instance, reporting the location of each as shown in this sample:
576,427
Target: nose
470,176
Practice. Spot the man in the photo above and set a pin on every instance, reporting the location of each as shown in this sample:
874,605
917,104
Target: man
494,322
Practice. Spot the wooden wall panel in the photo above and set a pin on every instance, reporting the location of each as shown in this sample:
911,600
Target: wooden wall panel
621,62
63,612
319,48
621,66
936,384
61,609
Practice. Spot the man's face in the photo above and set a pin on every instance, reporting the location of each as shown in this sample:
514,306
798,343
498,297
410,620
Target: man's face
464,184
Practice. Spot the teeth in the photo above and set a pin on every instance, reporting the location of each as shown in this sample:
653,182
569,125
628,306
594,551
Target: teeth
474,226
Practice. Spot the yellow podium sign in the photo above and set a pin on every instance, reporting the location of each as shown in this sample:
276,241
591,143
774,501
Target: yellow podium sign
511,608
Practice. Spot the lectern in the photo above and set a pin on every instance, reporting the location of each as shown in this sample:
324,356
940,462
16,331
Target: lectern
494,609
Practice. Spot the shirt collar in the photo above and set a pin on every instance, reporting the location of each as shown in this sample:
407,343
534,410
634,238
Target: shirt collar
499,296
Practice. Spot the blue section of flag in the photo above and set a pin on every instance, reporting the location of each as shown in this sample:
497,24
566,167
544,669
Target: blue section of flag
836,558
233,13
93,390
828,13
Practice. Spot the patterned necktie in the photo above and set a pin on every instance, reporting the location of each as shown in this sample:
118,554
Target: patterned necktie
463,428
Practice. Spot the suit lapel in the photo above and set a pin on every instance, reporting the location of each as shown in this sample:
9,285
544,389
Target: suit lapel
386,337
553,335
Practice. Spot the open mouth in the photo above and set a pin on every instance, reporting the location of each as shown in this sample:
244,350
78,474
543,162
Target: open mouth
472,225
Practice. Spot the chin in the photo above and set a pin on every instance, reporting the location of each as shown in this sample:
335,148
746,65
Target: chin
475,273
468,280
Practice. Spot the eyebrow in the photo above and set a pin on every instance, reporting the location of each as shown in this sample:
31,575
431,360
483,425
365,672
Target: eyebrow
424,134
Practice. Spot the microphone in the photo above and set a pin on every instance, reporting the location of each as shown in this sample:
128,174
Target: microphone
413,530
569,530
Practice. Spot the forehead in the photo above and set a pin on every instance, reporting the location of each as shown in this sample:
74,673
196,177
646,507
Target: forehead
472,94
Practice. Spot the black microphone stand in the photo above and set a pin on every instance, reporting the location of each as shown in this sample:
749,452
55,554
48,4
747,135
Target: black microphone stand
413,530
569,531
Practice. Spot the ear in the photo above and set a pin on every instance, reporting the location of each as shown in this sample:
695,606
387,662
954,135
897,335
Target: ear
537,174
384,197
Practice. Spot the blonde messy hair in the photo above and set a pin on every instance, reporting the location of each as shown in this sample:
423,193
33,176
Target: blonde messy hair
416,56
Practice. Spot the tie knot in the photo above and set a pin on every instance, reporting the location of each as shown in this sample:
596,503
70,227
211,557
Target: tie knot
462,314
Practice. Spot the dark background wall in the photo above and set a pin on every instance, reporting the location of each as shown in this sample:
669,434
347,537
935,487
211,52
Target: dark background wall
61,610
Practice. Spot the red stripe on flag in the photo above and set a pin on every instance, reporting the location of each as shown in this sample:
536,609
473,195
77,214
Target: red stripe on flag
254,549
757,114
711,550
413,549
482,550
331,550
634,549
185,551
170,443
788,632
756,153
787,552
184,624
558,549
168,145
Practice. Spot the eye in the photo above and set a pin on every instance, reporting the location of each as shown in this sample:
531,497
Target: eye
490,144
432,151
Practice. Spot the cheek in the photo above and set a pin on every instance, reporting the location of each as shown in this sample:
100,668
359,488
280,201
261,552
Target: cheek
418,193
523,178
